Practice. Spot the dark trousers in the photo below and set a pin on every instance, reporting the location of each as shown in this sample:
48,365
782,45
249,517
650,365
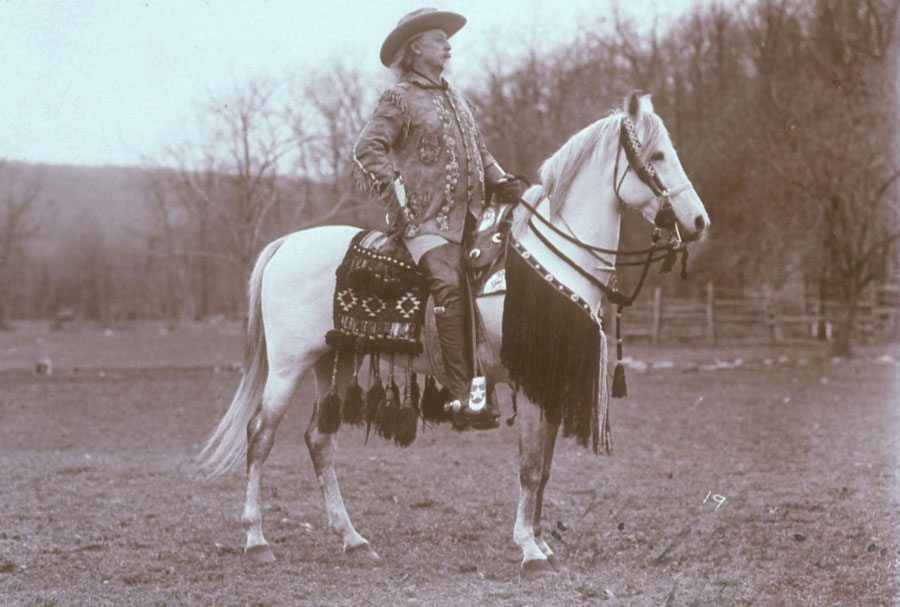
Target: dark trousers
444,270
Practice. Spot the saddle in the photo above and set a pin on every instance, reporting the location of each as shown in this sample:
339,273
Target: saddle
381,308
487,250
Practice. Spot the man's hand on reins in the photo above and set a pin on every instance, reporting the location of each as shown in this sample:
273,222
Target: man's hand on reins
508,188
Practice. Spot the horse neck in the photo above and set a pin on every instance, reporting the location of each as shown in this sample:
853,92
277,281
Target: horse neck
591,211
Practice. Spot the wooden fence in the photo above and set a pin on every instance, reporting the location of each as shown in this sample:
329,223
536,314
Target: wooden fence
726,316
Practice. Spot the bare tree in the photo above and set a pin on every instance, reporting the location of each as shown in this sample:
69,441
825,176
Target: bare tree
330,111
214,206
166,262
18,224
832,145
266,159
855,54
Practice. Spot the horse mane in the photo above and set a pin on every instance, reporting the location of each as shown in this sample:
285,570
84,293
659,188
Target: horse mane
558,172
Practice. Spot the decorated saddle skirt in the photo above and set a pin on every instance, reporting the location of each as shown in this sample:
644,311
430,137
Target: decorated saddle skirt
380,295
381,310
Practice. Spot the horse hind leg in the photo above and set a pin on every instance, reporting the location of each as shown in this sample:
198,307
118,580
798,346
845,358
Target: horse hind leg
321,450
277,394
533,430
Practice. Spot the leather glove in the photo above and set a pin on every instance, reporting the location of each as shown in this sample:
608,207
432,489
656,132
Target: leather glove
507,188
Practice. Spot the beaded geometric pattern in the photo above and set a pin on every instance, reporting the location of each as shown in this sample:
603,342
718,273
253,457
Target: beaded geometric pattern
379,298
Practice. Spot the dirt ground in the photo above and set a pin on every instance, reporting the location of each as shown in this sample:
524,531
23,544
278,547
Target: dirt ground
98,505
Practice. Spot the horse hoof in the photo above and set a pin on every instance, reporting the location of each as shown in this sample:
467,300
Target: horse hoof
536,568
261,555
362,553
557,564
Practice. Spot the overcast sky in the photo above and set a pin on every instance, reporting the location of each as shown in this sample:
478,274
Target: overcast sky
104,81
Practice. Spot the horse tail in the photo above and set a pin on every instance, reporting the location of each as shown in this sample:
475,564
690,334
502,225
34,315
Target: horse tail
227,445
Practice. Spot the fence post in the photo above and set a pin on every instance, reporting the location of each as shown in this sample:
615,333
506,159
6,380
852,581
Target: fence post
657,313
769,310
779,327
710,314
773,315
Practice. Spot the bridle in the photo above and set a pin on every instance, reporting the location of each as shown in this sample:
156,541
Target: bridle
665,214
664,220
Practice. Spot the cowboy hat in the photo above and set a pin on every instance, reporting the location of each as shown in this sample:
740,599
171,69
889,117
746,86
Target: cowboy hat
417,22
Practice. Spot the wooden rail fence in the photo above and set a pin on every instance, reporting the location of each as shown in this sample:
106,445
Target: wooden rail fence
764,316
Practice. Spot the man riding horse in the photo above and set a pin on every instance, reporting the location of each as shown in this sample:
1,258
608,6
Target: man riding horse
423,155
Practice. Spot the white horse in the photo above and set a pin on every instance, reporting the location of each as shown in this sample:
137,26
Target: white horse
588,181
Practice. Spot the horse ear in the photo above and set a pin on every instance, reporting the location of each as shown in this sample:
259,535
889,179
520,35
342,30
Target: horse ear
637,102
633,104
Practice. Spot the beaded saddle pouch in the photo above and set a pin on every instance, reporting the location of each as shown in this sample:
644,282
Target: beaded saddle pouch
379,299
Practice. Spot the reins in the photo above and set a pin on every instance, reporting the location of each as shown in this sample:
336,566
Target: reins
614,296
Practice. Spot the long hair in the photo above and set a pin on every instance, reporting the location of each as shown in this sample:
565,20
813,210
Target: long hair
404,58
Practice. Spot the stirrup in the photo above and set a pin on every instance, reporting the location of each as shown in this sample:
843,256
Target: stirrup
475,414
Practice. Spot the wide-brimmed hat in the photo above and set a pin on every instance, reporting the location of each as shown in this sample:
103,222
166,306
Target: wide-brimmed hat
417,22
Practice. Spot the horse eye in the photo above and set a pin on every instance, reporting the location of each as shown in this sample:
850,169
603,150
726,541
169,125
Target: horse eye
657,156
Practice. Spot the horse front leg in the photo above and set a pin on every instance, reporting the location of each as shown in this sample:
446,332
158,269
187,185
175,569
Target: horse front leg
533,432
321,450
550,432
260,439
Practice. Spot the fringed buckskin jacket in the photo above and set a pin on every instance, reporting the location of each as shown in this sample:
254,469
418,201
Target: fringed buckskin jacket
427,134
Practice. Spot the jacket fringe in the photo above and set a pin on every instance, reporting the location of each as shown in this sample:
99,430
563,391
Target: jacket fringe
395,98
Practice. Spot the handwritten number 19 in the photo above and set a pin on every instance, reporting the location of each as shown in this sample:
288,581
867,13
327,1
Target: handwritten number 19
719,499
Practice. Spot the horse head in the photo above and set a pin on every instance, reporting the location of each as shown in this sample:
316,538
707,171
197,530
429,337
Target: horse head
648,175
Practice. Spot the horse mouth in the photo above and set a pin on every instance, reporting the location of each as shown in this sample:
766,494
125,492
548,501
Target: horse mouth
688,236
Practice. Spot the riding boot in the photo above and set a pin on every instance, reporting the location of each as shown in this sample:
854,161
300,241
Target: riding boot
444,269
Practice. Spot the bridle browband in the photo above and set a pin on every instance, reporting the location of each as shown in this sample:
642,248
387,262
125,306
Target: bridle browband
664,219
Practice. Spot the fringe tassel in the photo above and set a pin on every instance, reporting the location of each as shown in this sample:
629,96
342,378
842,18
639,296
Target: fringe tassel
386,420
684,263
408,417
601,436
513,395
432,405
551,348
669,262
375,394
619,387
415,392
352,410
330,411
